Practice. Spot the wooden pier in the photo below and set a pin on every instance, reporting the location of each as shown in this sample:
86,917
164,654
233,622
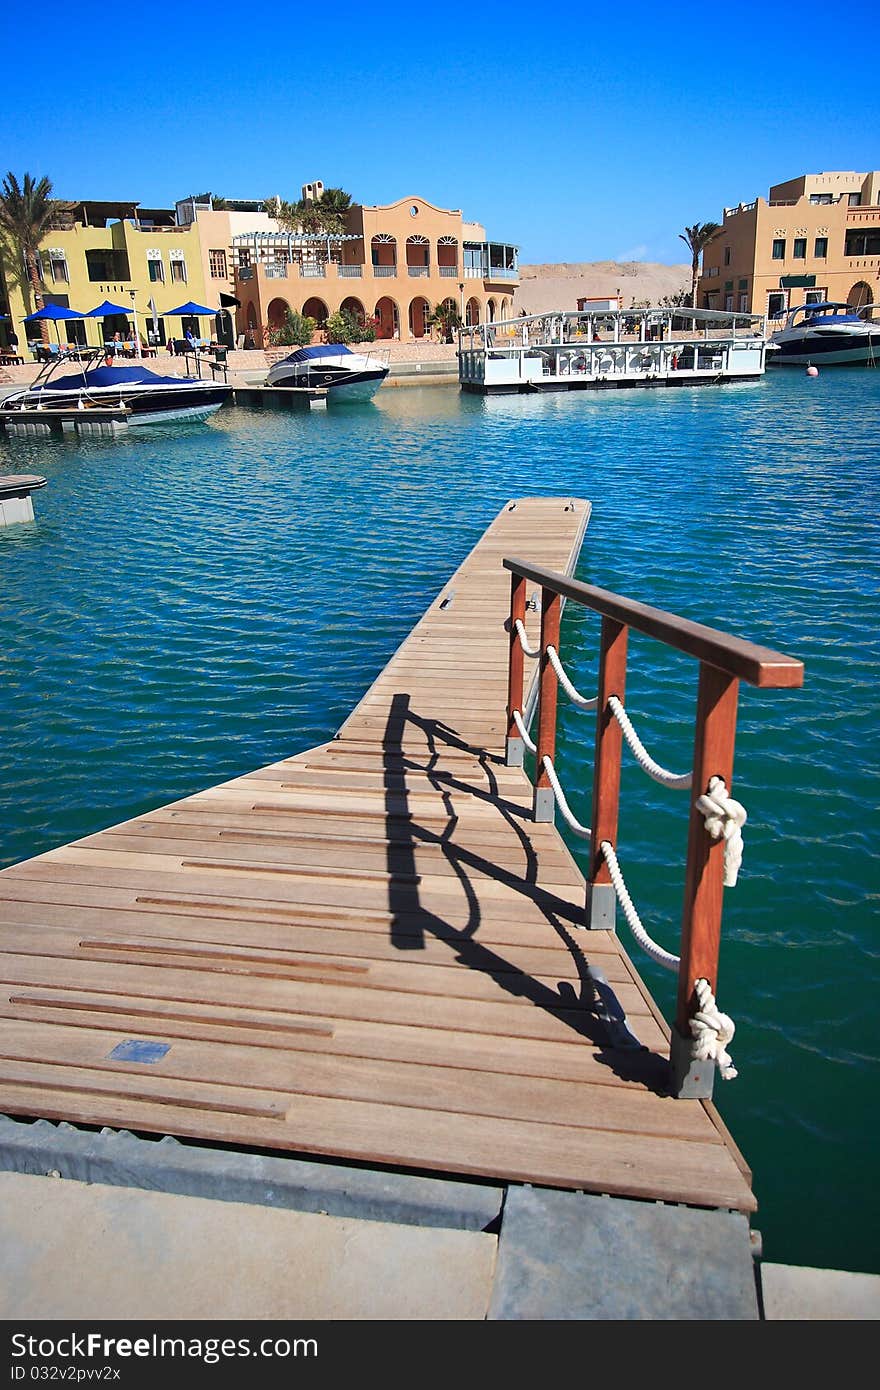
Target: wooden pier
369,951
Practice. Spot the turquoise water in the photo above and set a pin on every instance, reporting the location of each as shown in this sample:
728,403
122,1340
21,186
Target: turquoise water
193,603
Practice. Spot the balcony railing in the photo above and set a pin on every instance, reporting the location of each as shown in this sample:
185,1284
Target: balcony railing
276,272
449,272
501,272
384,272
418,270
312,271
350,272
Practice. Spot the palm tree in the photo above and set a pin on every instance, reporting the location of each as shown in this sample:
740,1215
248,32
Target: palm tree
334,205
697,238
27,211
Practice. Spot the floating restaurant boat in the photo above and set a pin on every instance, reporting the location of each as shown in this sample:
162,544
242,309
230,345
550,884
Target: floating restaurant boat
121,395
594,348
832,333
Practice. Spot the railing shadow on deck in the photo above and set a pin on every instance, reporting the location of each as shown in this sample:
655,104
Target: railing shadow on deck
590,1009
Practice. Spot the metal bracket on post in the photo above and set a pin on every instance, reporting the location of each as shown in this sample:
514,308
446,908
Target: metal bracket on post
601,907
690,1079
543,804
515,752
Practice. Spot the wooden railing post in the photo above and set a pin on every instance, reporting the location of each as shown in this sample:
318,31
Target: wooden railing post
601,898
515,746
543,804
704,877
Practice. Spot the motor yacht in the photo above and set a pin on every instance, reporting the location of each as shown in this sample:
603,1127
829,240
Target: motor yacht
145,396
831,333
346,375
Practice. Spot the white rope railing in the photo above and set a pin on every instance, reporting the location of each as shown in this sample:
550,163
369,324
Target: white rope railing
523,732
524,641
568,815
725,819
657,953
582,701
642,756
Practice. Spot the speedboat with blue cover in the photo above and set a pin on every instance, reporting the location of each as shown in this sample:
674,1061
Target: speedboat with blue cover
146,396
352,376
827,333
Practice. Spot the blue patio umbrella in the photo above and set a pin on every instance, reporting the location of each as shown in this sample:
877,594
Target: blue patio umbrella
106,309
190,310
53,311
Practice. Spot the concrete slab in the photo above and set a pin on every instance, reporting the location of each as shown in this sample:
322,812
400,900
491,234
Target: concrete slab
70,1250
792,1293
566,1255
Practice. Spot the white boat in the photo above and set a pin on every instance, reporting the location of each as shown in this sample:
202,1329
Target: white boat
144,396
596,348
352,376
827,333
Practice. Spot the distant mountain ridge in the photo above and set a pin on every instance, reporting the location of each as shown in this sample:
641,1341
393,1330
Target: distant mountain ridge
559,285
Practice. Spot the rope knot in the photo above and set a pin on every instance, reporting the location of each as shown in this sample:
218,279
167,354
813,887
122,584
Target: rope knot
712,1031
725,819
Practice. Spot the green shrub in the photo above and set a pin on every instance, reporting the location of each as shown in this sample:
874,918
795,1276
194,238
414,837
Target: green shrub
296,331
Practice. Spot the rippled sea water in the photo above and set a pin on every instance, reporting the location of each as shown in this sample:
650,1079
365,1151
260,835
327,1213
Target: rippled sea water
192,603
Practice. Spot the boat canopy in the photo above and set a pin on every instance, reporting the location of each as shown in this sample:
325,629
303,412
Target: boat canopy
112,376
319,350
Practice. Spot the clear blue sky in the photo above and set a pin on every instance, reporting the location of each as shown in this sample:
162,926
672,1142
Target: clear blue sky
591,133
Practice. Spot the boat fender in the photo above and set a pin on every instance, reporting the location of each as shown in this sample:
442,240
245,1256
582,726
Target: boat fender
812,371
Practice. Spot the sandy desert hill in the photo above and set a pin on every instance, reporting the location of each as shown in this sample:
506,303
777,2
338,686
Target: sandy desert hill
547,287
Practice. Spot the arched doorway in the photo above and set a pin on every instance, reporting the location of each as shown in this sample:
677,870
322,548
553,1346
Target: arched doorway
505,308
418,317
472,313
387,318
277,313
860,295
447,256
491,310
316,309
355,308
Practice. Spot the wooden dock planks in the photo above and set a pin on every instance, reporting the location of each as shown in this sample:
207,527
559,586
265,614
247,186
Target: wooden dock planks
367,951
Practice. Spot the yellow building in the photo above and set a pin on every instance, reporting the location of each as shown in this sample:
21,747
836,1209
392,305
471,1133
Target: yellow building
392,265
816,238
120,252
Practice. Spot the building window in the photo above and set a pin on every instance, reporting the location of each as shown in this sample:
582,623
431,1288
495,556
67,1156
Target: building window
244,258
60,273
815,296
820,199
727,255
777,303
157,271
178,271
820,249
800,248
728,302
744,303
779,249
217,264
854,199
865,242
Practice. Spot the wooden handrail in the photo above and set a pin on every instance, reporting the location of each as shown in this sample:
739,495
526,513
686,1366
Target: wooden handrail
723,661
759,666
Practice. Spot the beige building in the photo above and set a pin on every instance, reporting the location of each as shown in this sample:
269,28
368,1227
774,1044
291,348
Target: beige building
392,265
816,238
